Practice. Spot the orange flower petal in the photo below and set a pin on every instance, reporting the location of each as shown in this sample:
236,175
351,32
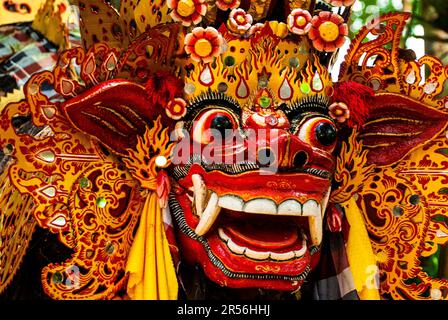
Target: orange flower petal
339,42
313,34
190,39
330,47
172,3
189,49
319,44
343,29
336,19
325,15
198,32
317,21
208,59
216,51
194,56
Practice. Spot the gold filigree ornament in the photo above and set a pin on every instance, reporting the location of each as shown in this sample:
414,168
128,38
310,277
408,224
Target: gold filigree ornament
77,191
63,180
351,169
386,70
404,205
153,151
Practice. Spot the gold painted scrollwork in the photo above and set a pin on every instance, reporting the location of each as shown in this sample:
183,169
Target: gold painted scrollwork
104,204
405,209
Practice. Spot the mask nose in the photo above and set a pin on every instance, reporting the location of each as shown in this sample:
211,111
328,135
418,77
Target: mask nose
283,150
292,152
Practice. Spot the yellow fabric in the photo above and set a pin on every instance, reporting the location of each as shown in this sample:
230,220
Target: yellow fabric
8,17
14,96
151,271
360,254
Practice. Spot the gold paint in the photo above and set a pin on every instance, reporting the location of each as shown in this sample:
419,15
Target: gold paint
203,47
351,178
267,269
185,8
329,31
301,21
155,141
390,134
255,59
393,119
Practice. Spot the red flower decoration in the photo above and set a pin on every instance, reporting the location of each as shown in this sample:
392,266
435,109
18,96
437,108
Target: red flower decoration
239,21
328,31
227,4
340,3
299,21
187,11
176,108
203,44
339,112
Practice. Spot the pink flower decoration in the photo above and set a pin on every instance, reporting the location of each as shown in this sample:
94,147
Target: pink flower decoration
227,4
239,21
203,44
339,111
299,21
187,11
328,31
176,108
340,3
255,28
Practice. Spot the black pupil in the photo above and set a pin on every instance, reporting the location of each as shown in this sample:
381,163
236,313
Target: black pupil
326,133
221,123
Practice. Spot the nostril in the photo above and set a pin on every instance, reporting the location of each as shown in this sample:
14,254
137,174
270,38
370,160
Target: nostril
300,159
265,156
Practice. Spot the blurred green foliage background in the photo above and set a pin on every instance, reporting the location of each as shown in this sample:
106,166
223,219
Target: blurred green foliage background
429,22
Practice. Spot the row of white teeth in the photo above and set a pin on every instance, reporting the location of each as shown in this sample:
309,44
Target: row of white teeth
261,255
209,211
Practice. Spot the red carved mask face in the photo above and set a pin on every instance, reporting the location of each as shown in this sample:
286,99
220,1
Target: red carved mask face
254,182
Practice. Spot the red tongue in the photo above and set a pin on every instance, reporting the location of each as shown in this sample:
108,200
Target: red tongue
264,236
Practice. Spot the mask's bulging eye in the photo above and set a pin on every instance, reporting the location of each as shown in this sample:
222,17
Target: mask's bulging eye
213,124
319,132
221,123
326,133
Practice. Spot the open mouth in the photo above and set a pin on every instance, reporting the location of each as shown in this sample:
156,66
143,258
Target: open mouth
251,248
209,205
246,235
262,239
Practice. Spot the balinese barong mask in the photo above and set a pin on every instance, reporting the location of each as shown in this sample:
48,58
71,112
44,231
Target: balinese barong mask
239,130
251,203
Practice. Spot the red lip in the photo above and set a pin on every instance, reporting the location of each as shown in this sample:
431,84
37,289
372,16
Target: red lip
242,264
253,184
